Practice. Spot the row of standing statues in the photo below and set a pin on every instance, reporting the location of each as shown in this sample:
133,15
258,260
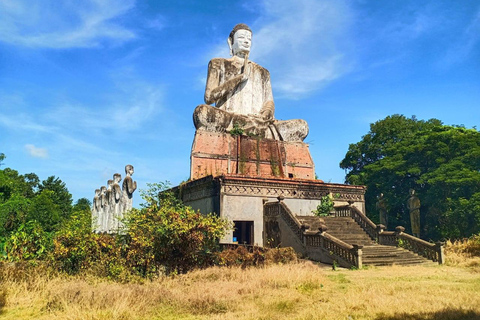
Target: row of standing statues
111,202
413,206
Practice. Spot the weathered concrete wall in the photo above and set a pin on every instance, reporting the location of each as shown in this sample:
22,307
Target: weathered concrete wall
235,208
239,198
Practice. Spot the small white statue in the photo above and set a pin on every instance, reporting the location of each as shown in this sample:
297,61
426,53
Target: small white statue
103,212
128,187
96,209
110,207
117,197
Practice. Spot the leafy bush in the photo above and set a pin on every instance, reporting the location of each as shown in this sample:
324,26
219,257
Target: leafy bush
255,257
29,242
325,206
168,235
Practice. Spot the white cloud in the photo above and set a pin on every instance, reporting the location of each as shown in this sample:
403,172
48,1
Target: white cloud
465,44
303,43
63,24
129,109
36,152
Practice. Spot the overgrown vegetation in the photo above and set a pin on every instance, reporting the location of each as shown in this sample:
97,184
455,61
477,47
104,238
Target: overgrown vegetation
300,290
442,163
326,205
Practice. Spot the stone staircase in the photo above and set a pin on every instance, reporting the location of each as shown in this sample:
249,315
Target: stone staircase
349,231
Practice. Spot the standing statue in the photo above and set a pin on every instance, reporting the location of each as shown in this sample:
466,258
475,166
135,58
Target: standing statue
103,209
116,197
129,186
242,94
382,209
96,209
109,210
413,205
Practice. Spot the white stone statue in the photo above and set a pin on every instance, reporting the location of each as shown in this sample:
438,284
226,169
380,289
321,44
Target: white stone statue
103,212
242,94
128,187
96,209
117,197
110,207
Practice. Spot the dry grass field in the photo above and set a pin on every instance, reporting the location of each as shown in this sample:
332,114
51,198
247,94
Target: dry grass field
302,290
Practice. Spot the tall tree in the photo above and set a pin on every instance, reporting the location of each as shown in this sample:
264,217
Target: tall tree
61,196
442,163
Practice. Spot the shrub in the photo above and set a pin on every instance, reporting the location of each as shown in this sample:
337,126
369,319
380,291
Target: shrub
27,243
255,257
168,235
325,206
75,246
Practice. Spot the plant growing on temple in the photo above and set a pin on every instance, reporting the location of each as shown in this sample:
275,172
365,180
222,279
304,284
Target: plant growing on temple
325,206
165,235
237,130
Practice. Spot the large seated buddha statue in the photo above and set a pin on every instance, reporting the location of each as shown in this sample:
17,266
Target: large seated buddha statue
242,94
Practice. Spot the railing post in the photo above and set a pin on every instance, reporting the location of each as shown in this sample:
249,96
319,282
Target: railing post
398,231
380,229
440,252
359,252
304,228
350,204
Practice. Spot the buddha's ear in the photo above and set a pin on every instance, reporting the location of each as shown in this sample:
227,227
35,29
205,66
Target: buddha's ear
229,41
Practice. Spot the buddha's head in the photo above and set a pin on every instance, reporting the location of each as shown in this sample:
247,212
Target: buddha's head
109,184
117,177
240,40
129,170
97,192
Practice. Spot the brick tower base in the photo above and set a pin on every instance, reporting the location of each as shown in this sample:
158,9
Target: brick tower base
216,154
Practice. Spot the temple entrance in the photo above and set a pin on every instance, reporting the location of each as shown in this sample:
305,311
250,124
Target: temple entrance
243,232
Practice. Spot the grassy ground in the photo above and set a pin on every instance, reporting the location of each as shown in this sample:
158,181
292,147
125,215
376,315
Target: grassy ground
301,290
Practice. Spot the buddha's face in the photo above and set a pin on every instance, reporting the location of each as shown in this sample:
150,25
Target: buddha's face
242,41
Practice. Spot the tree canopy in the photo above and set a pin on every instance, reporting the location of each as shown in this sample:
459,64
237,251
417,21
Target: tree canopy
442,163
24,198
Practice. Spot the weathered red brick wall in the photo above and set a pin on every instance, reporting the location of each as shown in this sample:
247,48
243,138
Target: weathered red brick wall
216,153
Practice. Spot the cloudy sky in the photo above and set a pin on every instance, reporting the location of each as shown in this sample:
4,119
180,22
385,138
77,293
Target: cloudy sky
89,86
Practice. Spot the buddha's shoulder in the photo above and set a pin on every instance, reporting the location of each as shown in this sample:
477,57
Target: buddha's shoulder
217,62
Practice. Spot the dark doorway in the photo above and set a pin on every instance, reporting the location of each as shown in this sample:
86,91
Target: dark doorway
243,232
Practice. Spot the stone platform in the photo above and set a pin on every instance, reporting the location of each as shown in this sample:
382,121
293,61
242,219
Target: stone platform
241,199
215,153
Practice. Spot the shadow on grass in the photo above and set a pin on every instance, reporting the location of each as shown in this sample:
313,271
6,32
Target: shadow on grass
445,314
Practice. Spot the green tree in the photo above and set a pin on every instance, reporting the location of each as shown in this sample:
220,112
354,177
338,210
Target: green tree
442,163
61,196
45,210
82,204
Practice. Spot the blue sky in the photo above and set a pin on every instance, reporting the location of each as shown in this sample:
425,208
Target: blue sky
87,87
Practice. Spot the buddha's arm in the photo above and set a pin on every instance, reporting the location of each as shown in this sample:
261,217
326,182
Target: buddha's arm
214,91
118,192
131,185
268,108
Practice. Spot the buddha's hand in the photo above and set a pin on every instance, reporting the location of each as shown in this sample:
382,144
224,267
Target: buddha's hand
267,111
246,69
246,72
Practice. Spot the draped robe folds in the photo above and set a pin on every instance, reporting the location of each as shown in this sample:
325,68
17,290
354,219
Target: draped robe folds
128,186
243,103
117,210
